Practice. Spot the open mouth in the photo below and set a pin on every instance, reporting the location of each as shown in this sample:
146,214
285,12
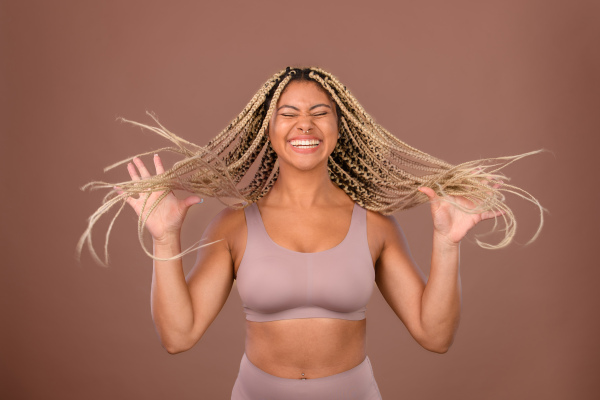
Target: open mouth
305,143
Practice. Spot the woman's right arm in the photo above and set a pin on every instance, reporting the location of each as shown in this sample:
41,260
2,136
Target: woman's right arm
182,309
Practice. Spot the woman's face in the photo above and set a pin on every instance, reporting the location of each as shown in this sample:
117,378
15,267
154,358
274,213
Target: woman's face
304,127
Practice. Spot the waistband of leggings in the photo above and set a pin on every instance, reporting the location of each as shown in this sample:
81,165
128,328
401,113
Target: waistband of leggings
366,363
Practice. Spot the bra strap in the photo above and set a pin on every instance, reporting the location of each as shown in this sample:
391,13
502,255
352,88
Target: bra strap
256,232
357,237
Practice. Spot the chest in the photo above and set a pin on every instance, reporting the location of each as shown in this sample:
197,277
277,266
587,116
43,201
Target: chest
335,276
307,232
336,283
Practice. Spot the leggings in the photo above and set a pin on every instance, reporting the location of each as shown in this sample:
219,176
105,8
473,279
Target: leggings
357,383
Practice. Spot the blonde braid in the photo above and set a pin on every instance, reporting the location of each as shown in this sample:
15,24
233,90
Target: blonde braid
375,168
265,122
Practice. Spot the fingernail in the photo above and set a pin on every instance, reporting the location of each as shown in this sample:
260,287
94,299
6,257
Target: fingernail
201,201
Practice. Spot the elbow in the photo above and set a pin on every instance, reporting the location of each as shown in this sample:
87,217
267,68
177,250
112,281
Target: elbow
438,339
177,346
439,345
178,342
439,349
175,349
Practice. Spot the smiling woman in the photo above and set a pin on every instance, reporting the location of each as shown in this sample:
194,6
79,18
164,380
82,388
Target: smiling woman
307,236
305,123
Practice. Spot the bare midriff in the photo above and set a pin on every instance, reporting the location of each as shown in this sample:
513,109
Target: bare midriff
306,347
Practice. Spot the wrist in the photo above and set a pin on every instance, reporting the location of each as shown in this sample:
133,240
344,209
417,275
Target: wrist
168,239
443,240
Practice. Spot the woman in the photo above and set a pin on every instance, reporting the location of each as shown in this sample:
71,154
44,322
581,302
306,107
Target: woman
314,238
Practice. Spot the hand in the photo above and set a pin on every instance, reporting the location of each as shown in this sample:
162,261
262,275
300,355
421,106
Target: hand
449,221
167,218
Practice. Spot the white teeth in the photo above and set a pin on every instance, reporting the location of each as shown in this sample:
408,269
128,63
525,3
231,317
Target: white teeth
305,142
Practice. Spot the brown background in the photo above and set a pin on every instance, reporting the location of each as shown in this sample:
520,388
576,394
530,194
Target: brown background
458,79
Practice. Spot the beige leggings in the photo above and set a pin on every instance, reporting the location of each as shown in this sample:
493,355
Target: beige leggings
357,383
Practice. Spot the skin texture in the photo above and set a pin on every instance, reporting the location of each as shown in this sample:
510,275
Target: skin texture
303,196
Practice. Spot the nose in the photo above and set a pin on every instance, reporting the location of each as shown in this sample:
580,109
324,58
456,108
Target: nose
304,130
305,124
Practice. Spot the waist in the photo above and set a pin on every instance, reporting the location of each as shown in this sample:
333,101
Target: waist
317,347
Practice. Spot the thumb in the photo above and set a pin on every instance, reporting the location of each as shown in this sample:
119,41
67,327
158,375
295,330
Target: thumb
429,192
434,199
191,200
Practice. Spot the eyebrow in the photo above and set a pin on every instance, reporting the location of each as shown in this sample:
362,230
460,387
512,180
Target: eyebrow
297,109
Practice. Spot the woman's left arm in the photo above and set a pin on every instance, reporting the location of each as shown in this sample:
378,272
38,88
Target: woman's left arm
430,309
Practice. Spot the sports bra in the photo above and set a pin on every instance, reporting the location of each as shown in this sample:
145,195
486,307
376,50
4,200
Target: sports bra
276,283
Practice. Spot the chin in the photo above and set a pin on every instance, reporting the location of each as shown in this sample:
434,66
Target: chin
306,167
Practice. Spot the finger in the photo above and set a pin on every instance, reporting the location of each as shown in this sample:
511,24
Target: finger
492,214
158,165
494,186
477,171
130,200
429,192
141,167
132,172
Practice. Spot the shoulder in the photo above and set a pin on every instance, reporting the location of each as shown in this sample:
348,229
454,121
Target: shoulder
382,225
228,227
383,231
226,224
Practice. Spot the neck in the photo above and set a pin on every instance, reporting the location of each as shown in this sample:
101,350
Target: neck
302,189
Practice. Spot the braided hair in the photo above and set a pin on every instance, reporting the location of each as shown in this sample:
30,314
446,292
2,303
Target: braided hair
376,169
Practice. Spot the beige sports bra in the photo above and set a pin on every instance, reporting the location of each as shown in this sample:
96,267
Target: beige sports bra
276,283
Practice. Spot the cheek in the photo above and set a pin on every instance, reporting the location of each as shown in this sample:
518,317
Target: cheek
330,126
279,127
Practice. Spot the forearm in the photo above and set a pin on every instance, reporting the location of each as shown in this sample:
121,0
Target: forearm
171,302
441,302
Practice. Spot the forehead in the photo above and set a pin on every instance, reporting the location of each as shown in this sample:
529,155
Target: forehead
304,92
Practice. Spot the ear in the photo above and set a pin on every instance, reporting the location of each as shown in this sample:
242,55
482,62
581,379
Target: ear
338,115
268,127
268,132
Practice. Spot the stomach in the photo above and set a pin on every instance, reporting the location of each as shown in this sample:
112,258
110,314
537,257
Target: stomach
315,347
